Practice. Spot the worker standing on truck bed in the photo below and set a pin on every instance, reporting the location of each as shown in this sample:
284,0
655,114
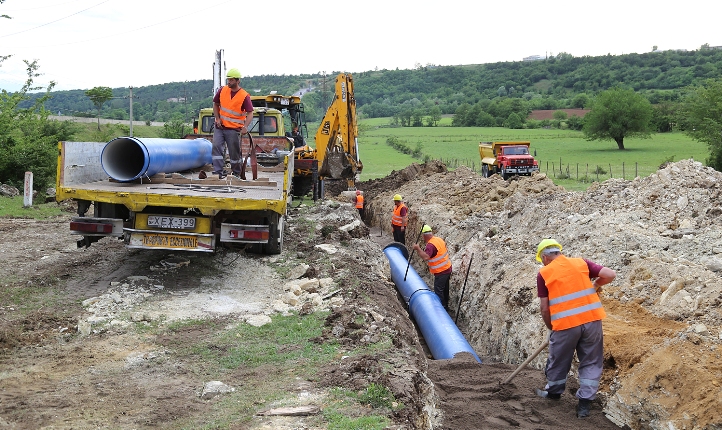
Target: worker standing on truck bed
571,309
399,219
437,258
233,112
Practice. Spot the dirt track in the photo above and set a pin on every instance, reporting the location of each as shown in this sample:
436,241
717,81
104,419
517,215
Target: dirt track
79,363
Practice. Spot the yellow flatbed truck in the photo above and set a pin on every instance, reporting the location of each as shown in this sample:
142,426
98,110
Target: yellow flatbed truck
190,210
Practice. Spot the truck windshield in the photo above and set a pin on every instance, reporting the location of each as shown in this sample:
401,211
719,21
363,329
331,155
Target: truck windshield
516,150
269,125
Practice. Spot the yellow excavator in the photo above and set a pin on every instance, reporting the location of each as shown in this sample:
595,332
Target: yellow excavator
336,155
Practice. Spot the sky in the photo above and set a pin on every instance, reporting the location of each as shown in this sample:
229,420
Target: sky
81,44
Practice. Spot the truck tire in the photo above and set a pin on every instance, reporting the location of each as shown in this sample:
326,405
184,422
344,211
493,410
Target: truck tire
275,239
504,175
485,170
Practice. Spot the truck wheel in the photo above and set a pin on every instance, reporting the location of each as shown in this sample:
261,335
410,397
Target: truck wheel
275,239
504,175
485,171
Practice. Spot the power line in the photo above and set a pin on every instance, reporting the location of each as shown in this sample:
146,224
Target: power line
51,22
40,7
194,12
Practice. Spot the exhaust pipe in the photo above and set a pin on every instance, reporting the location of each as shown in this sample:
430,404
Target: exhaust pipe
440,333
126,159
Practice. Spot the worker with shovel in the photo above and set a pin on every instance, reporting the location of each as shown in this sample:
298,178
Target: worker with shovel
572,310
437,257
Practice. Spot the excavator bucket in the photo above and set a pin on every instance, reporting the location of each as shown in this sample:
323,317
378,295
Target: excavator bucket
336,164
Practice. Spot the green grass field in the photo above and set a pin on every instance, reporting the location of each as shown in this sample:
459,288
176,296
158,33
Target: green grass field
458,146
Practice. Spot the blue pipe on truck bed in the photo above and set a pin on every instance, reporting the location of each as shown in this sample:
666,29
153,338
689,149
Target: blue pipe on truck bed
129,158
440,333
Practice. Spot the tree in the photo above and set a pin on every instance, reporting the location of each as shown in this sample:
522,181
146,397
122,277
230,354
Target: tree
559,115
618,113
28,139
99,95
514,121
434,116
700,115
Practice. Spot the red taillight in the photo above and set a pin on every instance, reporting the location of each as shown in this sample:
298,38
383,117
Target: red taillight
248,234
91,227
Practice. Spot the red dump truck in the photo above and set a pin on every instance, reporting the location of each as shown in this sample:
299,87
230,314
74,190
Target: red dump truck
507,159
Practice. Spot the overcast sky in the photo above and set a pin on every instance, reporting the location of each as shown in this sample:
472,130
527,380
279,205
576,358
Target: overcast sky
81,44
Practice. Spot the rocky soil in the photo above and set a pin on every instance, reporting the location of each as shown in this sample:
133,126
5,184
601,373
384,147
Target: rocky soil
75,361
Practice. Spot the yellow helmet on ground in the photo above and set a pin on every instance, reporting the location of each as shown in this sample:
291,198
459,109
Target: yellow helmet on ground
546,243
426,229
397,198
233,73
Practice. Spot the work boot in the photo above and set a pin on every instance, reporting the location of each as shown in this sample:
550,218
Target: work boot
583,408
222,175
547,395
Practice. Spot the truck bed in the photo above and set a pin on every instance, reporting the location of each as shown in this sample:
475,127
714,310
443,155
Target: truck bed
81,176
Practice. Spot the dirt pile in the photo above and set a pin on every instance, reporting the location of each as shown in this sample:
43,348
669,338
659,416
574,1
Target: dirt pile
663,236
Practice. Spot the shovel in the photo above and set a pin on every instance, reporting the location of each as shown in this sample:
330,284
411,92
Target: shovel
412,252
527,361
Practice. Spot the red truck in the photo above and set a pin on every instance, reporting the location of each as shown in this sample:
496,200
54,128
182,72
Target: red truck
507,159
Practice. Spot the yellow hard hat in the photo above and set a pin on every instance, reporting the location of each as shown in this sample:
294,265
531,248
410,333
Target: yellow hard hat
426,229
233,73
397,198
546,243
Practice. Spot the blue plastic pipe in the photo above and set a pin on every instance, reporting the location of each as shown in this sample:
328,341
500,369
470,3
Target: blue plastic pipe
129,158
438,329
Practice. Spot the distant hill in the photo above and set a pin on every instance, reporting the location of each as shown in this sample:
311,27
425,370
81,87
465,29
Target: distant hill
559,82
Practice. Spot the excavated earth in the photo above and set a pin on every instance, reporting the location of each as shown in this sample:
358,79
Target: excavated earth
76,362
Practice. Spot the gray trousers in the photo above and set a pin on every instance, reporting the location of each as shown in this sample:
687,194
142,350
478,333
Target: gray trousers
221,138
588,341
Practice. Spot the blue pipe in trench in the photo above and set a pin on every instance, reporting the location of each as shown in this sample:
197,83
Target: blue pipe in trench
129,158
440,333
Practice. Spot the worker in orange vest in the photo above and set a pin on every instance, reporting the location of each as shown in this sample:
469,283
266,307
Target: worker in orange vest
399,219
437,258
571,309
360,204
233,113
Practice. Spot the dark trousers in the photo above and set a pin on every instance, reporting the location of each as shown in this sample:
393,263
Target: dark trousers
587,340
221,138
360,213
441,288
399,235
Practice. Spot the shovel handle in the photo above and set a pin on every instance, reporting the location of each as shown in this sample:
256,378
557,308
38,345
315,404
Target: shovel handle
527,361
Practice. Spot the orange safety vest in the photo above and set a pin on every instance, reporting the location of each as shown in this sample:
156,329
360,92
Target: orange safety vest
231,109
359,202
573,301
397,219
440,261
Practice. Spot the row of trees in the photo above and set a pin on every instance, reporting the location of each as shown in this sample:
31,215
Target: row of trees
558,82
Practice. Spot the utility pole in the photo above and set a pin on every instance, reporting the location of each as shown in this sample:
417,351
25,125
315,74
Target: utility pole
131,110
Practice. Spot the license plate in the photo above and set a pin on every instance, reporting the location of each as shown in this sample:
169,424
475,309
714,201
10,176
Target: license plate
177,222
285,102
170,241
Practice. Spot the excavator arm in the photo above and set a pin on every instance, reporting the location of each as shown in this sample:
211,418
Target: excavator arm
337,135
